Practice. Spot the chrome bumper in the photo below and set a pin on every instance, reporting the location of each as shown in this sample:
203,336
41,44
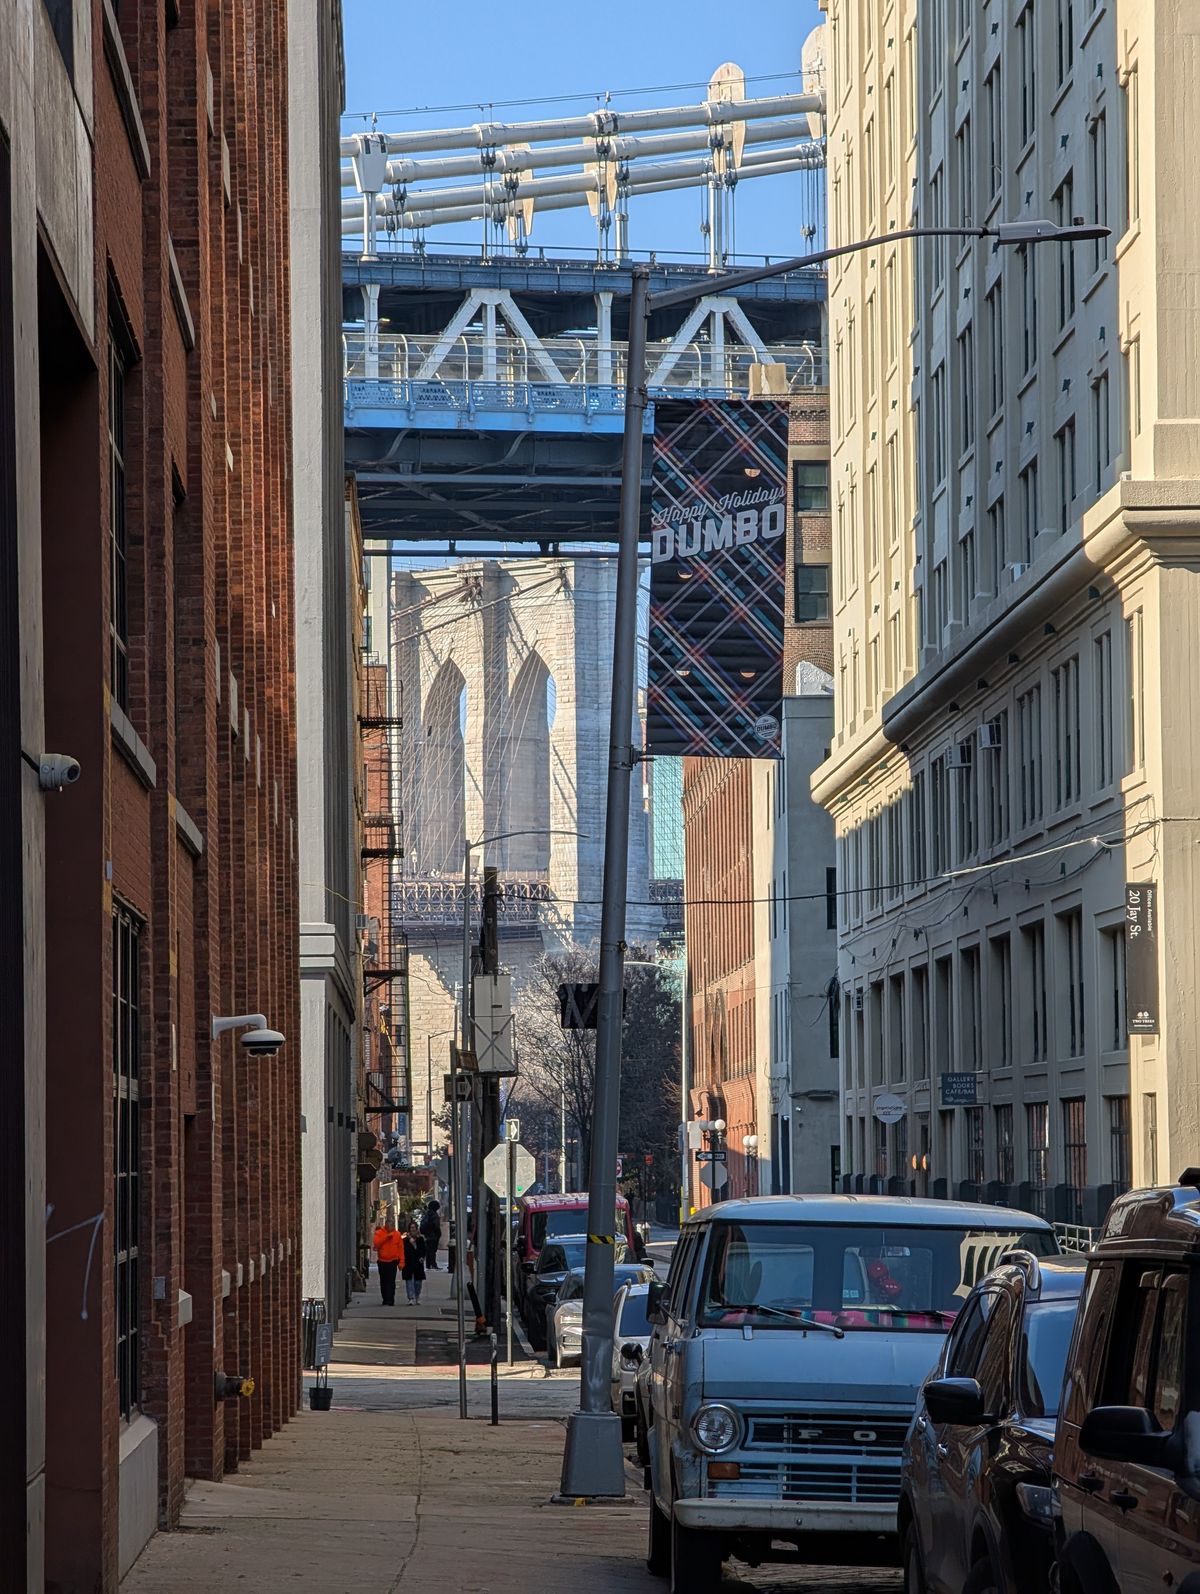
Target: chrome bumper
777,1517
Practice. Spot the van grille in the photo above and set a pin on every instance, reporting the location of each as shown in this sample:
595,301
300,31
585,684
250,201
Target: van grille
854,1483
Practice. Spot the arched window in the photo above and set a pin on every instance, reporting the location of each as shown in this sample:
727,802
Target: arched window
531,705
443,774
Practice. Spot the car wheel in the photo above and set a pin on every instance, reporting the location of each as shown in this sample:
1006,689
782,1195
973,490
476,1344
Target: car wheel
696,1559
627,1430
558,1355
914,1570
658,1541
641,1446
981,1580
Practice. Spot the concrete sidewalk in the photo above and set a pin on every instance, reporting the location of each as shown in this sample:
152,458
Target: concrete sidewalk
390,1490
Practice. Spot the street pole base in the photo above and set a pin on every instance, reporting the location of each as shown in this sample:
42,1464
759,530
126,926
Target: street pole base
593,1460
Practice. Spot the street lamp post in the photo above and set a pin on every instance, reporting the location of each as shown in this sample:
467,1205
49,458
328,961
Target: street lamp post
593,1464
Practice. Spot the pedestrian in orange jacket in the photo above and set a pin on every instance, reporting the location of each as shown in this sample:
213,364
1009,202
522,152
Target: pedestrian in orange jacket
389,1253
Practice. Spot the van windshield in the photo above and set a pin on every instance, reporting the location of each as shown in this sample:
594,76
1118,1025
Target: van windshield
896,1277
546,1224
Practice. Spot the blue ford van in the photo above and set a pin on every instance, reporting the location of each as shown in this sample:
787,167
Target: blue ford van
790,1338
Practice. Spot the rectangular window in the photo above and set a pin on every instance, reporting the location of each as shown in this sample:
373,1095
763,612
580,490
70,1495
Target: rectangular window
1101,433
1098,161
896,1028
893,489
1135,676
939,426
940,801
971,996
1103,688
1033,937
126,1035
1133,204
1029,308
1120,1155
118,541
966,378
997,549
920,1020
943,1013
1029,754
1027,52
964,803
1065,687
812,592
831,899
1065,39
1006,1166
1037,1152
1064,445
1116,1032
937,218
965,161
1072,952
810,487
1064,213
917,828
1030,510
994,151
968,575
995,333
1075,1163
871,519
995,764
1000,1026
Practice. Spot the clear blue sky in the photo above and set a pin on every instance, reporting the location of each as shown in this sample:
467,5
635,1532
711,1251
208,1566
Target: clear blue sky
401,55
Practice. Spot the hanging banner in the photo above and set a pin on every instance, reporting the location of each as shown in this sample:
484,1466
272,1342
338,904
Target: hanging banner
1141,958
718,520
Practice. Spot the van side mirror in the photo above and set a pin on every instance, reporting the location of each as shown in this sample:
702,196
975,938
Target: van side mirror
656,1302
1127,1433
522,1248
956,1401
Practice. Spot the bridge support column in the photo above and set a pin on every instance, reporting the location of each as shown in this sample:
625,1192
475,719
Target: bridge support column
370,293
604,348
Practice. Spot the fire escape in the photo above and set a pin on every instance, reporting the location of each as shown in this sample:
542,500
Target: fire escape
385,962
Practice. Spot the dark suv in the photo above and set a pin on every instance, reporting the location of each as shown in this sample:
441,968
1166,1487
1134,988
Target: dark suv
1127,1453
975,1502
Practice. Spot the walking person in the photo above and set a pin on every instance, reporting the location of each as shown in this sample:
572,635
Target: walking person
431,1232
414,1263
389,1253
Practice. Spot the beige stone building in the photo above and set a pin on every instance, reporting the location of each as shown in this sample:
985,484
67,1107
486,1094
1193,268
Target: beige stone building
1016,595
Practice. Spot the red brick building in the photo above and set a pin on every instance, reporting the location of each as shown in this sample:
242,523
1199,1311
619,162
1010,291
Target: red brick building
167,669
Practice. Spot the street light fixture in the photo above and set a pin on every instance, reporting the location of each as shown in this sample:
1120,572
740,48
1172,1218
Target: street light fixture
593,1464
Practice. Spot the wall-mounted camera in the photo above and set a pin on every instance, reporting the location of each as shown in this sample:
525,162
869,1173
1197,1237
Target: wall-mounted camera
56,770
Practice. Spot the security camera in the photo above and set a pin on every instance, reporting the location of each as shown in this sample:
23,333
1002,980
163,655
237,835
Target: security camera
56,770
262,1042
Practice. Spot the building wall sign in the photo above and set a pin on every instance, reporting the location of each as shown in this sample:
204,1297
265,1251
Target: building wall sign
959,1090
717,526
1141,957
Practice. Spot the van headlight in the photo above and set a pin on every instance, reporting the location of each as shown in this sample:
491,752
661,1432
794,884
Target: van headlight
716,1428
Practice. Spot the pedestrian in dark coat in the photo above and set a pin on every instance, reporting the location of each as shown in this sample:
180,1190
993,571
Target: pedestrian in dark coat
413,1269
431,1232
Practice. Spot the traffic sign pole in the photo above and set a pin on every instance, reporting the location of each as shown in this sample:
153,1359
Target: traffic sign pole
510,1148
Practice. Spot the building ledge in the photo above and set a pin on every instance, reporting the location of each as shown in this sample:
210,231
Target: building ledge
189,831
118,66
179,298
131,746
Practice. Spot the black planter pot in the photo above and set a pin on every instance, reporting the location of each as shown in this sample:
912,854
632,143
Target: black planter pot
320,1397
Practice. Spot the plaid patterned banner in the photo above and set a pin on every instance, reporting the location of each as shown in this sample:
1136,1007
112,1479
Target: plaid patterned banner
717,526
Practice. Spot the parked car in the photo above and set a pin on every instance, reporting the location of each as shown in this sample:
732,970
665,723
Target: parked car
631,1340
555,1217
564,1316
1127,1450
976,1507
554,1262
789,1342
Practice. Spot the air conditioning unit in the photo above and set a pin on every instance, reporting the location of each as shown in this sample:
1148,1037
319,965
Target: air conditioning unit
1016,571
990,739
958,755
858,1000
768,379
362,922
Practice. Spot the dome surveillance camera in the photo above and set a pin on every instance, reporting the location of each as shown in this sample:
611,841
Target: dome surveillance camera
56,770
262,1042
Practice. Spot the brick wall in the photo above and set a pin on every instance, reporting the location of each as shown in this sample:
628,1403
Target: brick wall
810,538
194,830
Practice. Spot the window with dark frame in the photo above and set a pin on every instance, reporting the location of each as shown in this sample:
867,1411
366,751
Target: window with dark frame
811,592
810,487
1120,1154
1037,1152
118,623
126,1046
1075,1164
975,1151
1006,1171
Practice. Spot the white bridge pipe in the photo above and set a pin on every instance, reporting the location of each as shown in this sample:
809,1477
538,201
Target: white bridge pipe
502,205
593,124
506,162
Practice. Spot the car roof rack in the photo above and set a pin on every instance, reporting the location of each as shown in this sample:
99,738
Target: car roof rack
1027,1262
